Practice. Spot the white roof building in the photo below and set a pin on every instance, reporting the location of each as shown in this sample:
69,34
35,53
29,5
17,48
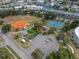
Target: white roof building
75,7
34,7
40,1
18,7
75,36
77,31
52,4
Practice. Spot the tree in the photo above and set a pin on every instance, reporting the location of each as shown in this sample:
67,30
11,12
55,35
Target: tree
37,54
53,55
74,24
4,54
6,28
31,12
38,25
70,26
66,9
1,22
66,54
38,14
49,15
60,36
51,30
63,53
66,28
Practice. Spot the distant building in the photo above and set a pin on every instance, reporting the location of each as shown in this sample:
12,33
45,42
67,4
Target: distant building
5,1
28,0
40,1
35,0
59,0
75,7
75,36
34,7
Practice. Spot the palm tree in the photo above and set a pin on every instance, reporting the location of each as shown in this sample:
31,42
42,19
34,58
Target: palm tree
37,54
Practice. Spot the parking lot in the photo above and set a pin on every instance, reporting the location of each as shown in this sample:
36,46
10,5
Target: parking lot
46,43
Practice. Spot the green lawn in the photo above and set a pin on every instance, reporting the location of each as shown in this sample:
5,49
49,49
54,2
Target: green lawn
5,54
32,33
67,38
1,40
18,38
16,55
63,53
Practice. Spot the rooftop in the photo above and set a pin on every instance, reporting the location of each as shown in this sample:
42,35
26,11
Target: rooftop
77,31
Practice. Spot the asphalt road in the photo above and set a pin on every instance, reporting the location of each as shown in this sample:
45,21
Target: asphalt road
38,42
14,46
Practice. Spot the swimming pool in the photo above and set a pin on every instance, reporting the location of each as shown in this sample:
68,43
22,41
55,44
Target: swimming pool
56,24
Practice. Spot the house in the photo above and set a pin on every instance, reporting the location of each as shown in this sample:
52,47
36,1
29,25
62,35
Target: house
17,7
75,7
34,7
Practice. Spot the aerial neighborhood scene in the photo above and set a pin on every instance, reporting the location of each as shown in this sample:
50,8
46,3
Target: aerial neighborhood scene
39,29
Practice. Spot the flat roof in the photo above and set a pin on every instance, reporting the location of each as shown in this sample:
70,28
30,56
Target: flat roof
77,31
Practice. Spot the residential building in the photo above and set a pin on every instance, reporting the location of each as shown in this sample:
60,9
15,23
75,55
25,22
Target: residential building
5,1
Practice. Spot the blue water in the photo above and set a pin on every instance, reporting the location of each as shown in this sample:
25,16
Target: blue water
56,24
